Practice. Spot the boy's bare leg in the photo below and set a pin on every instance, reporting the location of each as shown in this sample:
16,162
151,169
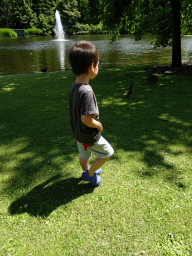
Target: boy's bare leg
96,165
84,164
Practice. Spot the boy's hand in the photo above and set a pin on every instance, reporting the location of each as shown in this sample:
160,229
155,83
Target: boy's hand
100,129
92,122
96,117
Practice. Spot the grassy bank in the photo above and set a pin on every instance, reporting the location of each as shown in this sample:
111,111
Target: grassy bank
6,32
142,207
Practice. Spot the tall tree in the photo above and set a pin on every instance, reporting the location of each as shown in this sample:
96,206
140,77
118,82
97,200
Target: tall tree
5,10
83,8
45,10
28,18
22,15
93,11
70,14
176,34
117,13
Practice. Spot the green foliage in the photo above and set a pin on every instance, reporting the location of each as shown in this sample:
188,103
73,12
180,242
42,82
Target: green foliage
115,13
5,32
79,28
70,16
159,17
73,22
23,15
140,17
33,31
46,15
5,11
186,17
28,18
147,16
155,18
118,16
46,24
78,17
97,29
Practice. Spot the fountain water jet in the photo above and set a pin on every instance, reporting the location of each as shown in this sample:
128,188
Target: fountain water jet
59,28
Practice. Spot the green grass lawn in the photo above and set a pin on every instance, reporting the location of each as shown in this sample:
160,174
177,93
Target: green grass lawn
144,203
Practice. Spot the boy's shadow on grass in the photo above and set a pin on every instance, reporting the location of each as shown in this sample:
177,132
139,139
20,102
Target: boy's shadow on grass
43,199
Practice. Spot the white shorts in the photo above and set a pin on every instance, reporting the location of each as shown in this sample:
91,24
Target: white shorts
101,148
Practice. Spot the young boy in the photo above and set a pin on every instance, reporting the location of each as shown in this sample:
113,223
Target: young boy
84,114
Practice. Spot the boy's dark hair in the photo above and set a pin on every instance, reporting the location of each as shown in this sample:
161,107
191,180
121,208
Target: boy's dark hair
82,55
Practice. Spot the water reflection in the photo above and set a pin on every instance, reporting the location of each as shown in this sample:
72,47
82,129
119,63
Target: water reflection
127,51
187,49
31,54
61,53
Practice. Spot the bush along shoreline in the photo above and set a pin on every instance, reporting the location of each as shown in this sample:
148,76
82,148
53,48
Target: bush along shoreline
7,32
79,29
33,32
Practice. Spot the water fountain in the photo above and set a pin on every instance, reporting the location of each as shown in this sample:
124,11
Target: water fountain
59,32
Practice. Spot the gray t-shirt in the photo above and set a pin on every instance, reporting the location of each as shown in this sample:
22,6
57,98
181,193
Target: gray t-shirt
82,101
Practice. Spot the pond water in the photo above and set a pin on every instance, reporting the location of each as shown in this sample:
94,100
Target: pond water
31,54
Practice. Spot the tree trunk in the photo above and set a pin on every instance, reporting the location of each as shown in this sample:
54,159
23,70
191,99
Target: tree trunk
176,34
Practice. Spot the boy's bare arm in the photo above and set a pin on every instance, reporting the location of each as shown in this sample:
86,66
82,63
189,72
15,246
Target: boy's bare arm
89,121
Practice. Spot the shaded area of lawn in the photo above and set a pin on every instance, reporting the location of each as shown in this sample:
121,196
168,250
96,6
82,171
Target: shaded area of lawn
156,121
46,197
146,189
36,138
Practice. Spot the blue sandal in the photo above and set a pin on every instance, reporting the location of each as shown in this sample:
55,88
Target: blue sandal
97,172
95,180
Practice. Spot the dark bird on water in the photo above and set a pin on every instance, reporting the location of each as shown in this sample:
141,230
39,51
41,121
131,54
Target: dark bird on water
129,90
44,70
152,78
